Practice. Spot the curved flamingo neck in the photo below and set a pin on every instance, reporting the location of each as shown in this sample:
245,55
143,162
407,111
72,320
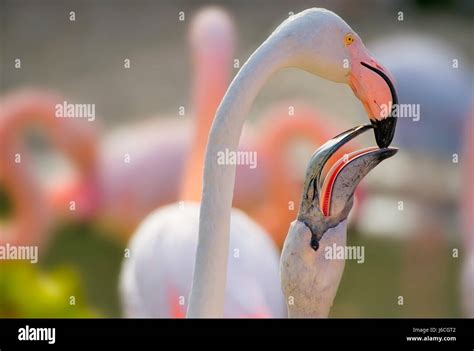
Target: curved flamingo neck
209,281
210,82
31,217
212,41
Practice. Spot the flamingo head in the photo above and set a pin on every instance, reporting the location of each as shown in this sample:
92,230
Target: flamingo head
327,201
322,43
309,277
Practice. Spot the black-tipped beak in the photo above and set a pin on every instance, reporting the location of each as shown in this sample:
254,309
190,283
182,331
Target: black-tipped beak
384,131
384,126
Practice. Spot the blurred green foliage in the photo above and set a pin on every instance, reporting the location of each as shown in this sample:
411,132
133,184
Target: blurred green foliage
96,258
83,262
28,291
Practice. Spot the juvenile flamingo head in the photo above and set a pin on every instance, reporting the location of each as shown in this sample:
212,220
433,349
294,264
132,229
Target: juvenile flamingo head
327,201
334,51
310,272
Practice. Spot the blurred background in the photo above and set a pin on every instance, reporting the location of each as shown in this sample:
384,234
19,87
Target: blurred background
133,61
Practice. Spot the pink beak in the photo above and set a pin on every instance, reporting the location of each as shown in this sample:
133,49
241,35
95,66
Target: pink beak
373,85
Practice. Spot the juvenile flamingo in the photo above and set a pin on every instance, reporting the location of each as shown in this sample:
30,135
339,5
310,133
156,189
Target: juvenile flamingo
315,40
310,276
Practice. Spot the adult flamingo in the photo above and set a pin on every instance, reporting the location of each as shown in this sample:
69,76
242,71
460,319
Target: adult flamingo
32,211
317,41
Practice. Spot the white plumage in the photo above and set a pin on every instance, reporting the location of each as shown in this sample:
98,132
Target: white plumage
156,278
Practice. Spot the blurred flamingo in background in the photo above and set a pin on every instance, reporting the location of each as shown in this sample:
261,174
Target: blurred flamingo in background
32,209
428,146
164,244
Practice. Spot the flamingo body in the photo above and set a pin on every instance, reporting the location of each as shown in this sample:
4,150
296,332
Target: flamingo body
160,268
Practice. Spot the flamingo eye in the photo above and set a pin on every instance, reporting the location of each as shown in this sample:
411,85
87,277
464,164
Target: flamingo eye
348,39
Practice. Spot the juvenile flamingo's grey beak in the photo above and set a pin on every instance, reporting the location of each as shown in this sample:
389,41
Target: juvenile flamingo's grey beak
327,202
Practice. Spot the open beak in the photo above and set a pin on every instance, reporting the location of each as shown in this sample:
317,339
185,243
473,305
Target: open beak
342,179
327,200
374,87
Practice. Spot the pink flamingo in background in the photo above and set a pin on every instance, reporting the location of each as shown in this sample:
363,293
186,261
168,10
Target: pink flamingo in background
110,189
32,209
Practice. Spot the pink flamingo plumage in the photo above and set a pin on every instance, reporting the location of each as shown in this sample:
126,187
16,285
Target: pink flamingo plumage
33,210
